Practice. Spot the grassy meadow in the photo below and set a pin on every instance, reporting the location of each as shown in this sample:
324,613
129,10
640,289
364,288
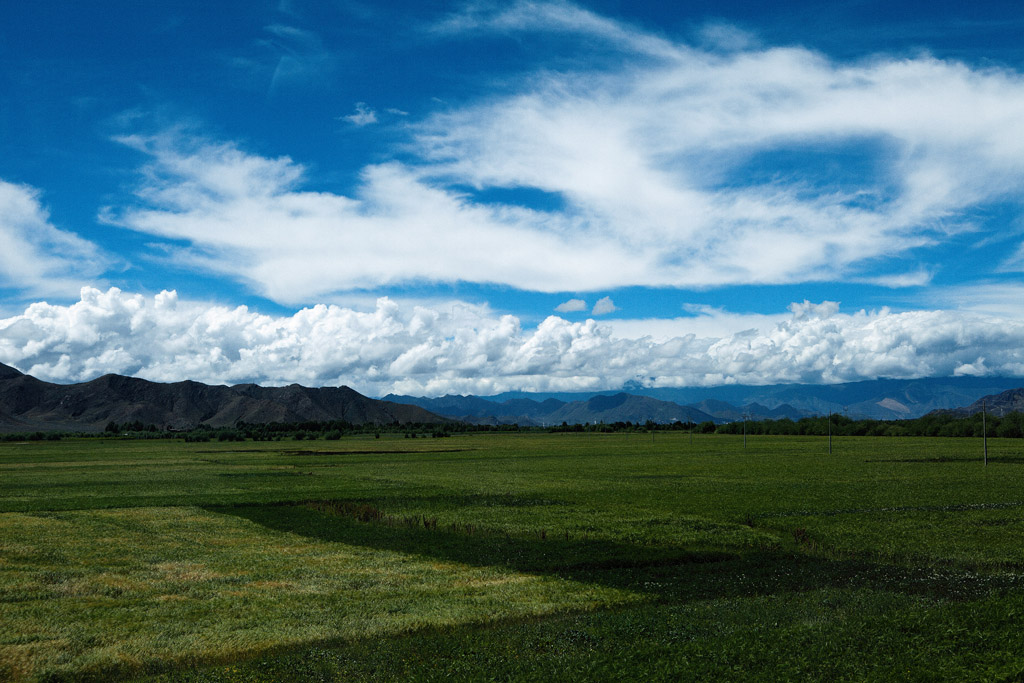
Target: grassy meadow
512,557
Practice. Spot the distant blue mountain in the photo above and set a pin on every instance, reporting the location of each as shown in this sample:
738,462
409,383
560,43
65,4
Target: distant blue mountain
883,399
607,408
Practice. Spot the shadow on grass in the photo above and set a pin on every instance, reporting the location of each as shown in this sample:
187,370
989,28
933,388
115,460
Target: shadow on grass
1000,459
668,574
676,579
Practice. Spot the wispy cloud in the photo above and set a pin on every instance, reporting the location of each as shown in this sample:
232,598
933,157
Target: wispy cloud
37,258
655,163
301,55
994,299
552,17
283,56
245,216
673,147
724,36
423,350
363,115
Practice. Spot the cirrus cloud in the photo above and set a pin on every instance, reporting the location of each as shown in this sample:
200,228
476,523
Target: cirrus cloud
38,258
657,164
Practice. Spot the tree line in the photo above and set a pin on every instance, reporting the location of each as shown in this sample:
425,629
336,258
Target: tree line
1009,426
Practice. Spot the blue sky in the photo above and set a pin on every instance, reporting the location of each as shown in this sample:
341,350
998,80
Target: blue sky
479,197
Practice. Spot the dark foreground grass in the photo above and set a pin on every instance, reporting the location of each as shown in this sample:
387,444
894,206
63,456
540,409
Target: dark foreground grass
825,635
512,557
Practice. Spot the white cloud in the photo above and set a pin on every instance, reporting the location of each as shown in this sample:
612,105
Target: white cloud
553,17
604,306
999,300
727,37
704,322
36,257
662,147
363,116
652,162
421,350
246,217
571,306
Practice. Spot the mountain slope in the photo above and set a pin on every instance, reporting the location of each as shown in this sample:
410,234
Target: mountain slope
1010,401
27,403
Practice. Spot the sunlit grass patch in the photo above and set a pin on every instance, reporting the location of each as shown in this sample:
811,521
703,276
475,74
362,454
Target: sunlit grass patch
123,590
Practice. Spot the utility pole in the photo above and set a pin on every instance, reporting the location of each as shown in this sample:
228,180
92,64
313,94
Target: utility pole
744,430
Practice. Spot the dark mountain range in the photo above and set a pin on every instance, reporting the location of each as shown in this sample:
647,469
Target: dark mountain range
1011,401
29,404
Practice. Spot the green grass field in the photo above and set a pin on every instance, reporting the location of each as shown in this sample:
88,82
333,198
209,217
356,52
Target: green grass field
512,557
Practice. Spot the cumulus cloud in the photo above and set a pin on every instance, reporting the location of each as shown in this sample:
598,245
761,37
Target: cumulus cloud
604,306
38,258
434,351
363,115
655,163
571,306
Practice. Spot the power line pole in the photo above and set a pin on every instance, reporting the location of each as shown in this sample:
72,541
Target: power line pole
830,432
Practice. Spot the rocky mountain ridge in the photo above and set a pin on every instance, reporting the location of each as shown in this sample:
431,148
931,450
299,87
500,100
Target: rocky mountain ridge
1000,405
30,404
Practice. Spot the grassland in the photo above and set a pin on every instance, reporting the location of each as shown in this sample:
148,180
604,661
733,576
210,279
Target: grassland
512,557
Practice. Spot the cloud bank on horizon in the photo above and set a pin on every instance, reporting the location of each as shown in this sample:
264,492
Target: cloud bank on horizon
622,165
420,350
